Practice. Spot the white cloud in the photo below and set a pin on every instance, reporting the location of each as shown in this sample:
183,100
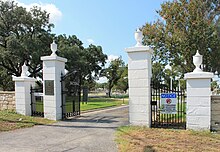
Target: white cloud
55,13
90,41
112,57
102,80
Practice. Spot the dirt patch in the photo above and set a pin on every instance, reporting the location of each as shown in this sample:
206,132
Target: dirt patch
5,126
136,139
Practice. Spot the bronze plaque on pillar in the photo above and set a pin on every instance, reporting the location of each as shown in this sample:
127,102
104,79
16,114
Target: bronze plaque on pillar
49,87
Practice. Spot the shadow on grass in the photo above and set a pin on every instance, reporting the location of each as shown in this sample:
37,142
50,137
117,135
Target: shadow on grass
149,149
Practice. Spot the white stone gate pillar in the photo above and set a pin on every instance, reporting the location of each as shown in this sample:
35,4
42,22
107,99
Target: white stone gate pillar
139,76
22,92
53,66
198,111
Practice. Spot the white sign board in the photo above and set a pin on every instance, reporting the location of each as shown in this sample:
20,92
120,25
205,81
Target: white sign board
168,103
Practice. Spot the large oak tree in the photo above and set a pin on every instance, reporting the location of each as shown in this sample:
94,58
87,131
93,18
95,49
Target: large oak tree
184,27
24,37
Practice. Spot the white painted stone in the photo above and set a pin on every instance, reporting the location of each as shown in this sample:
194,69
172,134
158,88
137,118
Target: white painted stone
201,111
199,75
140,64
196,83
138,118
22,93
140,50
198,122
139,75
198,98
139,83
53,66
203,92
198,101
53,58
139,92
140,108
138,100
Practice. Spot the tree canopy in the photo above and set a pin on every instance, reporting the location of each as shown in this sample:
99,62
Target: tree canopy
88,61
24,37
184,27
113,73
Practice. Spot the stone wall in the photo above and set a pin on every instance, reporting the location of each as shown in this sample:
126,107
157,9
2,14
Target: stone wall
7,100
215,113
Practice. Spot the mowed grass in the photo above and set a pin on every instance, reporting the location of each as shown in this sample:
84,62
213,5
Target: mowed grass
10,120
93,103
97,103
140,139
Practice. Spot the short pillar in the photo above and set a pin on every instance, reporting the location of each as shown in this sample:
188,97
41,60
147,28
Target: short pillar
53,66
139,76
198,111
22,92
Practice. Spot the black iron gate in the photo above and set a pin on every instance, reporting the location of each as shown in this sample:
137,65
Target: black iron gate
37,106
70,90
164,113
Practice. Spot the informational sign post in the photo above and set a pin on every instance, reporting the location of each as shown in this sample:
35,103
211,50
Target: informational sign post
168,103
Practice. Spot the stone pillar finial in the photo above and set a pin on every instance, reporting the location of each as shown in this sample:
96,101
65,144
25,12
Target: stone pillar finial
53,48
138,37
139,76
24,70
197,61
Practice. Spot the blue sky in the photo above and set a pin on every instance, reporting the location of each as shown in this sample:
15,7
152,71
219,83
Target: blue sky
110,23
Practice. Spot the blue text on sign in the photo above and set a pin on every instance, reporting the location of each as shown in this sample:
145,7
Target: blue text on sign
168,95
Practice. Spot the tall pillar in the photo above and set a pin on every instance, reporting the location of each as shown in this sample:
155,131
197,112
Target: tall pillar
53,66
139,76
22,92
198,111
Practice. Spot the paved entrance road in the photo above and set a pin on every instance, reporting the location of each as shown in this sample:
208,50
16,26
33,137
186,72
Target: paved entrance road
92,132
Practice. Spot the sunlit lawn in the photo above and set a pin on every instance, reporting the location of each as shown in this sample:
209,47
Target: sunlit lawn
93,103
96,103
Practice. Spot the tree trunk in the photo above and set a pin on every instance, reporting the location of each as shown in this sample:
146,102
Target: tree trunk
109,91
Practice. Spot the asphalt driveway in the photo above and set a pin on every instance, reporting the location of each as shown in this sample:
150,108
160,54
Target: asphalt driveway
91,132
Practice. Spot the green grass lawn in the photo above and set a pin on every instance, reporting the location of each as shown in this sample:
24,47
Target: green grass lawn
39,106
93,103
141,139
10,120
96,103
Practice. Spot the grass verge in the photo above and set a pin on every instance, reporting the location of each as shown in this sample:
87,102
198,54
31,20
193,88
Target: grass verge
10,120
97,103
140,139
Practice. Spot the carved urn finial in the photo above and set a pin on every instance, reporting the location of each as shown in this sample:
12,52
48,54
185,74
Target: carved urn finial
138,37
197,61
24,70
53,48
